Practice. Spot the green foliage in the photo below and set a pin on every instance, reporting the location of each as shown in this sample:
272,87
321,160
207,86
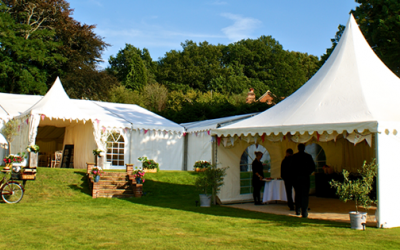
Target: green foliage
120,94
379,21
129,68
10,129
357,190
155,96
149,163
211,180
40,41
33,148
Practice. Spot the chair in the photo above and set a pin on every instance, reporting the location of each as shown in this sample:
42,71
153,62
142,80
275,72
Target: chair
56,161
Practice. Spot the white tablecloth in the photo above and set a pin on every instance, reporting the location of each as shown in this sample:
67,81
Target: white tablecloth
274,190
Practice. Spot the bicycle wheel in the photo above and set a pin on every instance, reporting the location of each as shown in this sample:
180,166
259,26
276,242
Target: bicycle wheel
12,192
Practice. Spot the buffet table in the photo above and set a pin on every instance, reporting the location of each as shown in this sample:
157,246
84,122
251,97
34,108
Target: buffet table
274,190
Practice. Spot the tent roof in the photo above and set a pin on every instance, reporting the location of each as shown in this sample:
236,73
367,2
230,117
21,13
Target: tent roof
353,90
56,104
206,125
140,118
14,104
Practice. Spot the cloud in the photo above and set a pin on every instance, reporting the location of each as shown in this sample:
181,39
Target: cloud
241,28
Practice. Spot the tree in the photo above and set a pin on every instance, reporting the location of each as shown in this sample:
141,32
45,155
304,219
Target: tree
129,67
25,52
40,41
195,66
380,23
9,130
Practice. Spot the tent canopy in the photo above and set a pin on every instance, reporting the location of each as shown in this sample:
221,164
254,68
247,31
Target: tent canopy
56,104
352,91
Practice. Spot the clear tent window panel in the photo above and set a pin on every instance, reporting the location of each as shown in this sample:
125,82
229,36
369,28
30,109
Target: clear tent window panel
116,149
246,161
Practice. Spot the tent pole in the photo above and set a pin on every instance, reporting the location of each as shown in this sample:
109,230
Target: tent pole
377,179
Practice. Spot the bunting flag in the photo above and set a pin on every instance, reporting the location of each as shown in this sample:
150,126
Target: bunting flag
42,117
205,133
218,140
232,141
255,139
27,121
195,133
97,121
145,131
165,132
208,132
212,139
70,119
263,137
318,135
248,139
184,134
125,130
19,126
225,141
103,129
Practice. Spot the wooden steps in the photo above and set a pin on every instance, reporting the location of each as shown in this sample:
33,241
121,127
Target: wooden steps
115,185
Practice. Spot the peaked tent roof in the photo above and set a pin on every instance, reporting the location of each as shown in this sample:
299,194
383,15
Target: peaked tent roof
56,104
353,90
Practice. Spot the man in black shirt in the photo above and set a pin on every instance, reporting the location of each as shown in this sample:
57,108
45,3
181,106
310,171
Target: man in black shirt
304,166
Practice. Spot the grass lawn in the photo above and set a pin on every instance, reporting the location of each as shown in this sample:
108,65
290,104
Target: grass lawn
57,212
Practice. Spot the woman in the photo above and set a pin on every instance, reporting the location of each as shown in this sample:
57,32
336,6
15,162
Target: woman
258,175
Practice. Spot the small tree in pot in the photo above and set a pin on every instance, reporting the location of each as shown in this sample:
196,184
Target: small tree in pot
357,190
209,182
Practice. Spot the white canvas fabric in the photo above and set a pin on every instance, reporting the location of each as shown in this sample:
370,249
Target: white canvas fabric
352,98
352,91
199,139
85,122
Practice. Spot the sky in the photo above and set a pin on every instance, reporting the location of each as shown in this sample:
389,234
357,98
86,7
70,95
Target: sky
161,26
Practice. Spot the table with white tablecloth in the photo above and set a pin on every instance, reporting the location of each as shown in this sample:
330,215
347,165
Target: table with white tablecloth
274,190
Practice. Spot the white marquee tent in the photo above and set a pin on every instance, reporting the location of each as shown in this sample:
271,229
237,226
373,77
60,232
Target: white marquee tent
353,98
88,125
198,140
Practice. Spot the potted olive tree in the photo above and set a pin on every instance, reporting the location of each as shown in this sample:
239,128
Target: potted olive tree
209,183
9,130
357,190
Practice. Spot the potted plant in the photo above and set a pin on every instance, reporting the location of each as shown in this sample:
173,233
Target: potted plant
33,149
138,174
9,130
209,183
357,190
97,153
200,166
96,172
33,155
149,165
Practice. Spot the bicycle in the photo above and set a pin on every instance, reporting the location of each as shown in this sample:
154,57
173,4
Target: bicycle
11,191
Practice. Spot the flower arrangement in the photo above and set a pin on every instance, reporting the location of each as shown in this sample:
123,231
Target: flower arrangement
97,152
33,149
14,158
148,163
201,164
139,173
96,171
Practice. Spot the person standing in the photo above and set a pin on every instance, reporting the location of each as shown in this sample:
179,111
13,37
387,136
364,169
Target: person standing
287,170
258,175
304,166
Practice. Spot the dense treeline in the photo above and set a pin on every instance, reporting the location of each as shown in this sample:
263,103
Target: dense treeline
39,40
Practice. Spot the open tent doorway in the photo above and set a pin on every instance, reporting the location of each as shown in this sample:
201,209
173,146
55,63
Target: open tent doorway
50,140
